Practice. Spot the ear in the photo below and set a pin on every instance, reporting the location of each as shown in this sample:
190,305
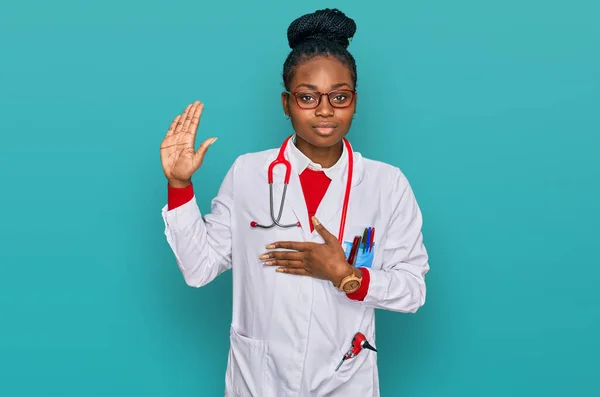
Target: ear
284,103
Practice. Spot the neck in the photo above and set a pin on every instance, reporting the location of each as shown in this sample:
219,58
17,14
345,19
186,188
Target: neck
326,156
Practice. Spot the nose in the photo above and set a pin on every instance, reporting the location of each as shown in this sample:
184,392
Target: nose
324,109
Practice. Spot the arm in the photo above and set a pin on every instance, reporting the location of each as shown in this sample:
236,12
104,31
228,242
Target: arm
202,247
400,284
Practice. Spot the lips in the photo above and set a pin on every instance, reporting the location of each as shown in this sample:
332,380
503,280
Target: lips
325,129
325,125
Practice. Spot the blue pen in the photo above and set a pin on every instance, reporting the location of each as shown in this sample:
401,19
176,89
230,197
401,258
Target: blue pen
368,238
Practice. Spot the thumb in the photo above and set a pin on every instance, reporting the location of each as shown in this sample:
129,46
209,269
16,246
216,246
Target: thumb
201,152
323,232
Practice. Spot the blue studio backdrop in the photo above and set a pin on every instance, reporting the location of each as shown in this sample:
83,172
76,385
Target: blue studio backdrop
490,108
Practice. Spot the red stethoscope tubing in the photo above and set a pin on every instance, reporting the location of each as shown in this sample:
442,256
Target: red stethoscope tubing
348,187
288,168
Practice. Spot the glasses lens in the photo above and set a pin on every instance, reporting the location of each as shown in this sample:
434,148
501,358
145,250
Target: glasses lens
307,99
340,98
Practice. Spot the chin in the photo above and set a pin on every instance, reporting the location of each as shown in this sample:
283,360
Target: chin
320,139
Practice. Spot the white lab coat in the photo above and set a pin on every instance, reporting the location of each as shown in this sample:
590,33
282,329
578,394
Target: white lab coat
289,332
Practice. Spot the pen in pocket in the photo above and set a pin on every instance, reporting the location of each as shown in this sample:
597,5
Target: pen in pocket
368,242
355,245
372,239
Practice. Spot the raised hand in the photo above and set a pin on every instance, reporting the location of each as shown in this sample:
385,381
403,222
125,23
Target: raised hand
178,157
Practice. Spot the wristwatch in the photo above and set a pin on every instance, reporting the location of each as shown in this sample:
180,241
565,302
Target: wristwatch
350,283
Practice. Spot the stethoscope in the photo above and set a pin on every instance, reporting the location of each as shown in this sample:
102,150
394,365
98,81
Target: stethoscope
288,169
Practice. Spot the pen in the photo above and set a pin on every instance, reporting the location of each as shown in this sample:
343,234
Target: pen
353,250
372,239
364,239
367,245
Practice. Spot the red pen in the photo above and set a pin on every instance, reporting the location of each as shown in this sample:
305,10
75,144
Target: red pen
372,239
352,255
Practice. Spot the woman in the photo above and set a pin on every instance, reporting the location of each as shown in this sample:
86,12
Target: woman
301,293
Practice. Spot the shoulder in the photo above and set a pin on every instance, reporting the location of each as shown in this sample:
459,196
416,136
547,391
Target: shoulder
393,183
383,172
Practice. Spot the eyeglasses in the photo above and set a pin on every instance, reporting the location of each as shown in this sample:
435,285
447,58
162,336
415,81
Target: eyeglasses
312,99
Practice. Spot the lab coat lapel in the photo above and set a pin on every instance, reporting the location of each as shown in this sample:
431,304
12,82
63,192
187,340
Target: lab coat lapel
298,203
330,209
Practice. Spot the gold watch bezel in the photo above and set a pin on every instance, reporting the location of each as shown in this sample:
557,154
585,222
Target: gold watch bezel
348,279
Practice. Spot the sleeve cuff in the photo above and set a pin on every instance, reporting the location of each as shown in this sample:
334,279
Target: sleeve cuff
361,293
176,197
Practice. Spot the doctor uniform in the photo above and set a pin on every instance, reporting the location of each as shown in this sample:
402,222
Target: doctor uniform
288,333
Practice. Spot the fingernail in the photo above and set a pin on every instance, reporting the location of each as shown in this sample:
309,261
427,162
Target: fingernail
268,263
213,141
270,246
315,221
280,270
264,256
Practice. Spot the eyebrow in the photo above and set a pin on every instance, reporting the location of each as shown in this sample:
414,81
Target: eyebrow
314,87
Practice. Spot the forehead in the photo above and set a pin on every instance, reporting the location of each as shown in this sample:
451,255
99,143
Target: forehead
322,72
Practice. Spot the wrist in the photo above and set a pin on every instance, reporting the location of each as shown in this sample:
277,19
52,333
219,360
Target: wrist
178,184
357,272
344,271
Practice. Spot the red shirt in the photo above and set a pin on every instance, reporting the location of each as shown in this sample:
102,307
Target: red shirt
314,185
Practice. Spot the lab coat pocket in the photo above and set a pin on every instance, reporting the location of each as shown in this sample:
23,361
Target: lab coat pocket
247,365
361,259
353,375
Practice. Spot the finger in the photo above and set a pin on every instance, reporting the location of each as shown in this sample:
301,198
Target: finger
196,114
199,155
287,263
323,232
182,119
298,272
173,125
188,118
290,255
292,245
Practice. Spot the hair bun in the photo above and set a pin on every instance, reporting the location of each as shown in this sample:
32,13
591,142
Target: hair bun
328,24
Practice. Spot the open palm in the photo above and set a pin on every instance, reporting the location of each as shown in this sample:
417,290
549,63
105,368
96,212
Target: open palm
177,154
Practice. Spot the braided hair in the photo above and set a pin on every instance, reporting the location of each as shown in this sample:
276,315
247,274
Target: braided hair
324,32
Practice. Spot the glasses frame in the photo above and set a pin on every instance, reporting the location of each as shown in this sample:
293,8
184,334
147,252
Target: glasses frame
320,96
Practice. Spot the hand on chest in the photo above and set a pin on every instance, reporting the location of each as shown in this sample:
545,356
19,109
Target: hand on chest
359,249
313,194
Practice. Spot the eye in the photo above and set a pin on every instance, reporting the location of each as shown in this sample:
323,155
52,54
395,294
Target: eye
340,97
307,98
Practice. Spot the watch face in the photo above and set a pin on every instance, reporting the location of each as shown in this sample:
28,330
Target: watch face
351,286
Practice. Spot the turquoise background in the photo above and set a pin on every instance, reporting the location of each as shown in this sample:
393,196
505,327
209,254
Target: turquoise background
491,109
